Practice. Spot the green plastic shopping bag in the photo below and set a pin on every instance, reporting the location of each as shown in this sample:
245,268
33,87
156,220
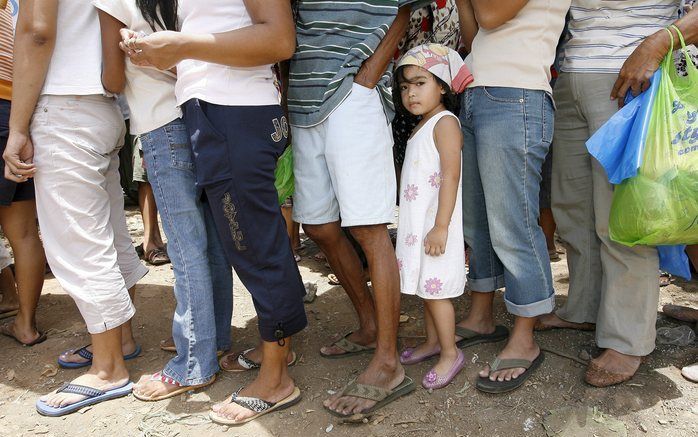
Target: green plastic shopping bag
284,175
659,206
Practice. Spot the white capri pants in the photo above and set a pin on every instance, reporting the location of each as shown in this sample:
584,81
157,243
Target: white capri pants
80,205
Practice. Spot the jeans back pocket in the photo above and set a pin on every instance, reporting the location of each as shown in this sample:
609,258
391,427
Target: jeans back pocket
179,145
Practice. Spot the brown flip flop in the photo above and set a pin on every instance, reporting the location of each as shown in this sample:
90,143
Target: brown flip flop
156,257
4,330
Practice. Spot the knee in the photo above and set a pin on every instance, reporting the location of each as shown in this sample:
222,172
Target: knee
323,235
370,235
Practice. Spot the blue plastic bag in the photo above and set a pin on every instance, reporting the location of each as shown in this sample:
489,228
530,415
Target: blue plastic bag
619,147
619,144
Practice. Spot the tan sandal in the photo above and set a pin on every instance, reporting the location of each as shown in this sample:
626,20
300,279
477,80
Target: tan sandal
159,376
259,406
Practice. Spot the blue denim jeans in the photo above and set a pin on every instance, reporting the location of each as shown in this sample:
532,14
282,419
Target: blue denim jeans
203,278
506,135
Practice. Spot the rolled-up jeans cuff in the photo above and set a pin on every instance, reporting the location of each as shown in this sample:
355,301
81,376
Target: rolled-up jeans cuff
486,285
534,309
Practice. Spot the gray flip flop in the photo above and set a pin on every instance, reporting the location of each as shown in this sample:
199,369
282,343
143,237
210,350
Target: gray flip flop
471,338
484,384
349,347
381,396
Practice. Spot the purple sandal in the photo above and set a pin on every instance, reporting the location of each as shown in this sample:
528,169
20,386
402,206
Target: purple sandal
433,381
407,356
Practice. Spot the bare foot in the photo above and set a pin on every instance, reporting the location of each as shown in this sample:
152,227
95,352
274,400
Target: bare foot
26,337
387,376
257,389
512,350
71,356
229,361
552,321
611,367
477,324
359,337
159,386
680,312
57,400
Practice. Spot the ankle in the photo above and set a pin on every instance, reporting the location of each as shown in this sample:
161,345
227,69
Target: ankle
478,320
450,353
387,364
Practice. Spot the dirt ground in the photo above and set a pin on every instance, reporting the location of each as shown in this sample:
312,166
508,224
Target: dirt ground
555,401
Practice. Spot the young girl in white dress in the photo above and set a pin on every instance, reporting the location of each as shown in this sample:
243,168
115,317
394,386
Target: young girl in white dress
430,248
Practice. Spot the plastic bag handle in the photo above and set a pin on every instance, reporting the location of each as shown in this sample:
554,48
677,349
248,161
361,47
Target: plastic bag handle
684,49
669,58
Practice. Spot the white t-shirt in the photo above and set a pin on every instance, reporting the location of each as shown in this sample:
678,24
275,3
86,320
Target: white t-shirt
603,34
215,83
149,92
76,64
519,53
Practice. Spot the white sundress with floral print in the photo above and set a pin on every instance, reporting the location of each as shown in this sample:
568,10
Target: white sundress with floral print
429,277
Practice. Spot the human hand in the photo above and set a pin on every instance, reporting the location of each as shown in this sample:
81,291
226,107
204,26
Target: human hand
368,76
640,66
18,156
161,50
435,241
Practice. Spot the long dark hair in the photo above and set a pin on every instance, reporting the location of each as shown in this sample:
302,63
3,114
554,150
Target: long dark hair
159,13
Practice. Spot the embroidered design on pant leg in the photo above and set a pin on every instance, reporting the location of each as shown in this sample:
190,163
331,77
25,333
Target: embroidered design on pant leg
230,213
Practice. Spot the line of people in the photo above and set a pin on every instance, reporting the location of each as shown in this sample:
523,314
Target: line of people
206,104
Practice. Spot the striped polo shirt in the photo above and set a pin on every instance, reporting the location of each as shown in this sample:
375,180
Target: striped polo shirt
6,43
603,33
334,38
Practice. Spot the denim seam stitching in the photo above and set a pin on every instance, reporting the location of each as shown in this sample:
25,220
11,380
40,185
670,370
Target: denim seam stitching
177,244
526,199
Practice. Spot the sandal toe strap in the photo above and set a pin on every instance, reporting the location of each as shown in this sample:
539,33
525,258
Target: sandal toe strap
364,391
513,363
253,404
82,390
247,363
84,353
349,346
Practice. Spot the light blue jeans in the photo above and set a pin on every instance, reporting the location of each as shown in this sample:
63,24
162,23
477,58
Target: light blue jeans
203,278
506,135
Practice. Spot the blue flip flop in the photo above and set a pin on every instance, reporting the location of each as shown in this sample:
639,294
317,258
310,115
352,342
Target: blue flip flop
83,352
93,396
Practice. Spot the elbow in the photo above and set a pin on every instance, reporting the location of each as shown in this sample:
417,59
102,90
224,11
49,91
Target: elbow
114,87
286,45
41,36
285,50
488,21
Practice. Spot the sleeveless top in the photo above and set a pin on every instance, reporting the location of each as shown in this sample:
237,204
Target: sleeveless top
429,277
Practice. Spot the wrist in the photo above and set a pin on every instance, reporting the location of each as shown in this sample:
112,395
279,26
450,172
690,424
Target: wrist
15,132
661,42
186,46
441,226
